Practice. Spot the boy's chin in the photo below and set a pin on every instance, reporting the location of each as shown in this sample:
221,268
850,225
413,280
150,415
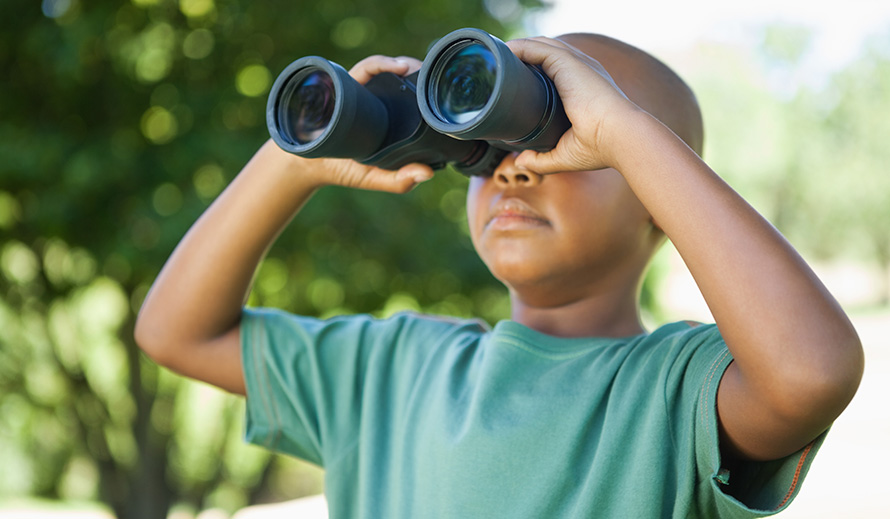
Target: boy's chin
535,288
516,276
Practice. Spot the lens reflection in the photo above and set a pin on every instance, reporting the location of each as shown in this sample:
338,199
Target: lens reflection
465,83
310,107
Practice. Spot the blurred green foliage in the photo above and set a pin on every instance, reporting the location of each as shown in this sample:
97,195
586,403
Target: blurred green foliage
120,121
812,156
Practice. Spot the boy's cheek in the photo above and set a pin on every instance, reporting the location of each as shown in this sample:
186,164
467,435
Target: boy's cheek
473,200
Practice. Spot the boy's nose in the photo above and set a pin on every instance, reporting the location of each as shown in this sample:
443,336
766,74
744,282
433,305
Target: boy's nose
508,175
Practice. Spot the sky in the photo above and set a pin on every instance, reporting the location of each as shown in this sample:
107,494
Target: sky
839,28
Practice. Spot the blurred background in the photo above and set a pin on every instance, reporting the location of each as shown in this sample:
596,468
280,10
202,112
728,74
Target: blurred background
120,121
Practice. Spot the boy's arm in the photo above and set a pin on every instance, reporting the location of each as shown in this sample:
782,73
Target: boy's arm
190,319
798,360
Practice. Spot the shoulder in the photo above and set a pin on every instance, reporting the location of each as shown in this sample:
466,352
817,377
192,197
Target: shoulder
687,354
273,325
684,336
415,323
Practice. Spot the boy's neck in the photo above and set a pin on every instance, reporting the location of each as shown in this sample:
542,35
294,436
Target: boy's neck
600,316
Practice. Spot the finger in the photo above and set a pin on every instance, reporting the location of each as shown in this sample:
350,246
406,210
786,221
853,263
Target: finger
551,54
413,64
554,42
561,44
401,181
537,51
369,67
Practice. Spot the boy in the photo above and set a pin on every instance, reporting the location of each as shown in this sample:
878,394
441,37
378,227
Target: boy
569,409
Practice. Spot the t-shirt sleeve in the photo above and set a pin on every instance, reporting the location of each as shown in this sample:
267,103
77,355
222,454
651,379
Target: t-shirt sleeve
303,378
752,489
313,384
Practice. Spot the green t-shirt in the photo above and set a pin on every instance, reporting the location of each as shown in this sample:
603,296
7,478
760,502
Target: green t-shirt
418,417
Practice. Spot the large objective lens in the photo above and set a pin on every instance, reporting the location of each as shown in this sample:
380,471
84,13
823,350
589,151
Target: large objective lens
465,83
310,107
316,109
472,87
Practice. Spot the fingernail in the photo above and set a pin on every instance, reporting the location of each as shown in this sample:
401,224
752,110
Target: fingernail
422,176
520,162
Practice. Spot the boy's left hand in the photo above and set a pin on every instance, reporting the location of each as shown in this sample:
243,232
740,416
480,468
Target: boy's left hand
592,102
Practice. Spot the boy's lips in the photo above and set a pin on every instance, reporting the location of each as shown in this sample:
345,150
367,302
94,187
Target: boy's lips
514,214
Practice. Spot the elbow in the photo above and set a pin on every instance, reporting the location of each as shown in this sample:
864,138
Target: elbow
147,335
843,373
821,389
851,375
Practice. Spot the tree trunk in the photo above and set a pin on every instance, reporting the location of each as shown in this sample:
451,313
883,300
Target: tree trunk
150,495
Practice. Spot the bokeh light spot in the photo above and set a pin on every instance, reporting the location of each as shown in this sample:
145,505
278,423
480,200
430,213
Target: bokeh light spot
325,293
209,181
196,8
152,53
272,276
198,44
253,80
399,302
354,32
158,125
453,205
55,8
153,65
10,210
167,199
19,263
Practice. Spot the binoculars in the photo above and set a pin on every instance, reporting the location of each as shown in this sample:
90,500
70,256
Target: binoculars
472,102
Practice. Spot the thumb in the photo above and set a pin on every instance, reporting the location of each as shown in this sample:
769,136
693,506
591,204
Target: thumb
542,163
570,154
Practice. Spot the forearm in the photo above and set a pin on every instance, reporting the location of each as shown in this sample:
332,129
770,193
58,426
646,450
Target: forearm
201,289
779,321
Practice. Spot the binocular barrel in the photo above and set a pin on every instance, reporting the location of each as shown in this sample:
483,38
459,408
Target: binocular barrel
472,101
472,86
316,109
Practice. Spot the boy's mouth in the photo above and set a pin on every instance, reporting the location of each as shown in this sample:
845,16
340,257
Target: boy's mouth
514,214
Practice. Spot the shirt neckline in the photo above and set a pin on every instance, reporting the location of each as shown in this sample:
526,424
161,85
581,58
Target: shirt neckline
551,346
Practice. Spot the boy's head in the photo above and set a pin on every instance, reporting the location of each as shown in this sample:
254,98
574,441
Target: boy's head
648,82
558,239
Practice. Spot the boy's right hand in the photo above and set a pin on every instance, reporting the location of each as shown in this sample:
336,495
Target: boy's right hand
349,173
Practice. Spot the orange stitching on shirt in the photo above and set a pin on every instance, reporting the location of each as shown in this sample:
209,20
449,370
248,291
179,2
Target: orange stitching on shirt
794,481
706,390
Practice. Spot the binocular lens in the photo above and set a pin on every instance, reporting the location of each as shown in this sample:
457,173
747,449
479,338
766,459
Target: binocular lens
472,87
465,83
310,107
316,109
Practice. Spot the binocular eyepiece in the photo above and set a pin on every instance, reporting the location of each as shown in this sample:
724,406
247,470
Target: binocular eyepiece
471,102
